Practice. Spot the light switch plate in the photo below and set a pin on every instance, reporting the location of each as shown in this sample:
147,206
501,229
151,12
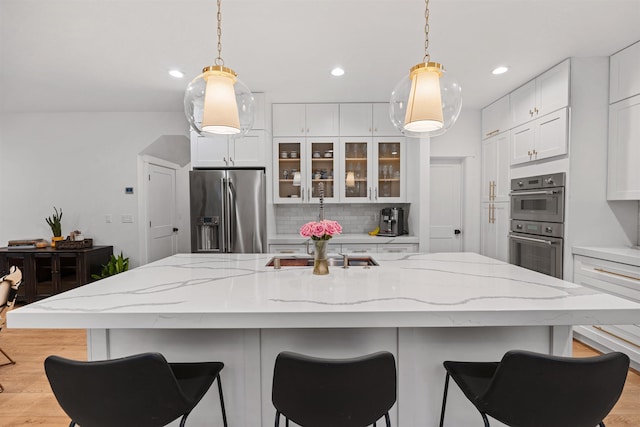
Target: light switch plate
126,218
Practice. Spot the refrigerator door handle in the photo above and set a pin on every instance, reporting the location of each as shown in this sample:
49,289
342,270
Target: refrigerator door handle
230,203
222,235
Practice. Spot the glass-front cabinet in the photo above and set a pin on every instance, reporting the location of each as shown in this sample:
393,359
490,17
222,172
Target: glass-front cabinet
304,167
389,170
373,170
355,182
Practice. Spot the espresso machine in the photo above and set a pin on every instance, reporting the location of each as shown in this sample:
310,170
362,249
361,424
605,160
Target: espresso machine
391,222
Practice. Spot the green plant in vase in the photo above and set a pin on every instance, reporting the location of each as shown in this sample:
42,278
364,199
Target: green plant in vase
56,226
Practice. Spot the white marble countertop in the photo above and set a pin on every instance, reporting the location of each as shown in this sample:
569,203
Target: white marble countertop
192,291
292,239
623,254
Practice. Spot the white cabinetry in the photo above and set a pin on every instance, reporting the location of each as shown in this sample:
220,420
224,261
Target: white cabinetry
540,139
366,119
495,230
618,279
495,168
225,151
373,170
543,95
316,160
623,173
624,75
495,118
305,120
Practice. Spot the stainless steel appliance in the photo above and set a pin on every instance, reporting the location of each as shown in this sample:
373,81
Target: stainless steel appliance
537,223
538,198
228,210
391,222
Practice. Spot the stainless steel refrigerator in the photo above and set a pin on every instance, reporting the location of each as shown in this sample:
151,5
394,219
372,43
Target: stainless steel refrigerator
228,210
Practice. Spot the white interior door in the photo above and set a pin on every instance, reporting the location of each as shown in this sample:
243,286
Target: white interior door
161,211
445,231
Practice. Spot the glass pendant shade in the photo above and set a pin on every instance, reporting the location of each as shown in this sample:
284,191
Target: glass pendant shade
217,102
427,101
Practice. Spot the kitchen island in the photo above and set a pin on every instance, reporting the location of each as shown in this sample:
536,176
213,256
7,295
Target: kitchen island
424,308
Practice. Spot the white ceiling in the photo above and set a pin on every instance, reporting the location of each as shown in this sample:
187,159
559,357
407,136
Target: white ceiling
114,55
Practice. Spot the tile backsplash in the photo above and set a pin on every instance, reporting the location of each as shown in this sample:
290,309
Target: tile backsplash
354,218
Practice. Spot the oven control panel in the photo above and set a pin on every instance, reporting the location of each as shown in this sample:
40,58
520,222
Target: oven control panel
551,229
542,181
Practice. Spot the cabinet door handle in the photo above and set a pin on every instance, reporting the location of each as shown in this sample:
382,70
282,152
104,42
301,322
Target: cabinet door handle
232,162
602,270
535,109
369,193
309,193
307,130
302,130
376,193
375,129
224,159
530,113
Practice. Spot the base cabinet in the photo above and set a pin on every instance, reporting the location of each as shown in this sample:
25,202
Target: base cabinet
615,278
47,272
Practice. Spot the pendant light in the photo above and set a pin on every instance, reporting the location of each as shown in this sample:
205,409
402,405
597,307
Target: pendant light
216,101
427,101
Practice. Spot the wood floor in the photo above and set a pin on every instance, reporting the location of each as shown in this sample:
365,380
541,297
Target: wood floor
27,399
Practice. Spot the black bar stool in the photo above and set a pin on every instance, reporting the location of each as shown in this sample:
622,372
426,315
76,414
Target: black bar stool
529,389
142,390
315,392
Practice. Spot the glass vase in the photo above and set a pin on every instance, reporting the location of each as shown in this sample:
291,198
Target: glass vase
320,263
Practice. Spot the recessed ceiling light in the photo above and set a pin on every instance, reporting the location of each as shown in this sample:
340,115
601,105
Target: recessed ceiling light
500,70
337,72
176,73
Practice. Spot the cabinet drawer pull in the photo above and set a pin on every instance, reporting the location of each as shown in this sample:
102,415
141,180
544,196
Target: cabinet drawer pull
602,270
493,132
616,336
286,251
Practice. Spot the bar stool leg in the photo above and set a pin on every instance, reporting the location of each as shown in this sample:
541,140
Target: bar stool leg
444,399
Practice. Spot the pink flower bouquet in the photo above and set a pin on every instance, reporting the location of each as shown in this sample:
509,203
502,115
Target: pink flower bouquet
323,230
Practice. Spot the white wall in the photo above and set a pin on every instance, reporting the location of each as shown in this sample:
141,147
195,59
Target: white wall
463,141
80,162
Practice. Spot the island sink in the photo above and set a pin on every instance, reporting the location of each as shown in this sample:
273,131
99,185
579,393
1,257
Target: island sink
356,261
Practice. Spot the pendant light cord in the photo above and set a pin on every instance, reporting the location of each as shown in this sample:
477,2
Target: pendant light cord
219,60
427,57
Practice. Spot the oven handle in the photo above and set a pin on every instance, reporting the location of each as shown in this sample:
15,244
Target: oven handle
531,239
534,193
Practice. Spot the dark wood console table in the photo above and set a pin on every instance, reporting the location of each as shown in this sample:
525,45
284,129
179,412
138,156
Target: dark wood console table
48,271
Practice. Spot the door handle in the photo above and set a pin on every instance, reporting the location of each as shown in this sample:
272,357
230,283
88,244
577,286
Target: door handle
175,229
457,231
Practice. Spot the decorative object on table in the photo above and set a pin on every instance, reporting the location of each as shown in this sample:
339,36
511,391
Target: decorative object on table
68,243
428,101
114,266
216,101
27,244
56,226
76,235
320,232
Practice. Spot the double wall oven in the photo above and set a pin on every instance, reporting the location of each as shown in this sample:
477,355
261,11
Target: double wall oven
537,223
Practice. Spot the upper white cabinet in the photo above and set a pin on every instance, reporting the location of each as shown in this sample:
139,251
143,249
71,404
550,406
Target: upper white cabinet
225,151
624,76
373,170
543,95
364,119
623,172
495,168
540,139
305,120
316,162
495,118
